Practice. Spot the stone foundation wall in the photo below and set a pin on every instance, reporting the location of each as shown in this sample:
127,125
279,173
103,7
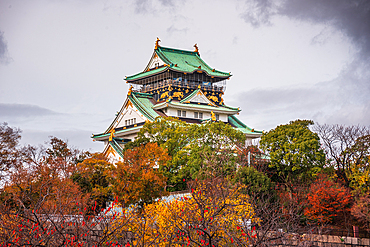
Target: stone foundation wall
331,241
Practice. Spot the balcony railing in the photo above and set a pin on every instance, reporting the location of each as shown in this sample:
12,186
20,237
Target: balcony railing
206,86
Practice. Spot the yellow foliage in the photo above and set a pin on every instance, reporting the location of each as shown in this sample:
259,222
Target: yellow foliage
204,216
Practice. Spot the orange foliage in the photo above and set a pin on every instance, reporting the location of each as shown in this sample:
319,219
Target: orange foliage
326,201
136,179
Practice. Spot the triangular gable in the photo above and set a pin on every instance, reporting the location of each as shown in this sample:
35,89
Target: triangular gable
128,112
197,97
155,62
113,155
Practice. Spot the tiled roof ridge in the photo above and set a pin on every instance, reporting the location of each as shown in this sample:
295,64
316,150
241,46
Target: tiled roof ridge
140,107
176,50
116,147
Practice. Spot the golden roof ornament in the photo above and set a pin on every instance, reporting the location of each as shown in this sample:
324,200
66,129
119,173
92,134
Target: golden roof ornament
196,48
130,90
157,43
213,117
111,134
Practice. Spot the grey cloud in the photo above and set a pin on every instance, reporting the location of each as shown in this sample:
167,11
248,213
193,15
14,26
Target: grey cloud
23,111
152,6
172,29
141,6
343,100
259,12
168,3
352,17
4,57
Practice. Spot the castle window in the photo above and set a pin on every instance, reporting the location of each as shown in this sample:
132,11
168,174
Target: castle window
184,113
198,115
130,121
217,117
179,113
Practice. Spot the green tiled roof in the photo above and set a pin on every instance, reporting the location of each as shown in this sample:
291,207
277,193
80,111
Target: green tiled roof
142,102
181,61
116,147
242,127
146,73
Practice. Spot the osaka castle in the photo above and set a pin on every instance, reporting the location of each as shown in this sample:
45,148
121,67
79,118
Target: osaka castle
175,83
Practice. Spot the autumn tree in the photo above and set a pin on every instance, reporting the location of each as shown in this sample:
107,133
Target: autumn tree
294,152
214,213
170,134
92,177
137,179
347,149
326,201
361,210
9,150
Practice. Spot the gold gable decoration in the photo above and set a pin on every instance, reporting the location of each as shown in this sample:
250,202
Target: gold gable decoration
164,95
178,94
129,103
213,98
112,134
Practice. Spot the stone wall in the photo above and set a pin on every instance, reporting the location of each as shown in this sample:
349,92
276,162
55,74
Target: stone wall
335,241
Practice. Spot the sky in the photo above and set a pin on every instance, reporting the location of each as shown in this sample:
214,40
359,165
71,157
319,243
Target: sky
63,62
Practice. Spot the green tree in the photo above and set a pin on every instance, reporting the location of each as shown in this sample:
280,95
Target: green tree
257,183
294,152
196,150
212,150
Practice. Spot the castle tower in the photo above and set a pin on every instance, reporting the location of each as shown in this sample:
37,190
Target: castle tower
175,83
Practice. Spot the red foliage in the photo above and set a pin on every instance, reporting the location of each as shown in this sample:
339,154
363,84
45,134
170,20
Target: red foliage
326,201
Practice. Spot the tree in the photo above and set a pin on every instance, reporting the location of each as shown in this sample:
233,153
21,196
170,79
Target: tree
326,201
214,213
253,156
9,152
170,134
257,184
294,152
347,149
361,210
196,150
212,150
92,177
136,180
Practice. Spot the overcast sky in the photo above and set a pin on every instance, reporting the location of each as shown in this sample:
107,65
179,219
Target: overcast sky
62,63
